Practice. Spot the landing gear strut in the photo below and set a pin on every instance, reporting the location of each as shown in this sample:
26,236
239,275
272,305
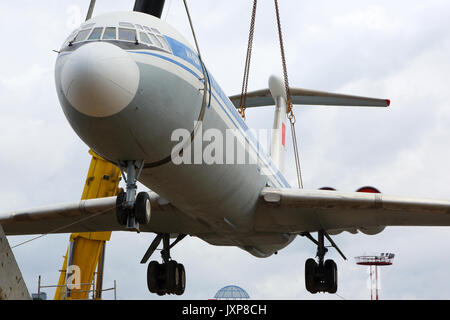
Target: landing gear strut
321,276
132,210
168,277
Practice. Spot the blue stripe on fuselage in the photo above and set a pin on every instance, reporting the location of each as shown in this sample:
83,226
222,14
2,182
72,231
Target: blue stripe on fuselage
185,53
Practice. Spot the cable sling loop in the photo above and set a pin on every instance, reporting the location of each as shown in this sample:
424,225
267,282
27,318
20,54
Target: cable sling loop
206,81
247,62
283,61
205,104
290,111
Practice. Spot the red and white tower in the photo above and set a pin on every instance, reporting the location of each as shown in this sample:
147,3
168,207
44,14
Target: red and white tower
384,259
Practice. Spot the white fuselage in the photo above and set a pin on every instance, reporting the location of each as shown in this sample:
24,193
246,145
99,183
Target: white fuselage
126,97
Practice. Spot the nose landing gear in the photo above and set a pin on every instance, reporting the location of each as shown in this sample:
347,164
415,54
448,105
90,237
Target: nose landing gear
132,210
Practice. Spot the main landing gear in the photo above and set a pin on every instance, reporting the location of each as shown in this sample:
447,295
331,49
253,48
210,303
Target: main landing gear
168,277
321,276
132,210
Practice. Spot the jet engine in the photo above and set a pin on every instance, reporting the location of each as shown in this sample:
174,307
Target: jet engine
370,230
366,230
368,189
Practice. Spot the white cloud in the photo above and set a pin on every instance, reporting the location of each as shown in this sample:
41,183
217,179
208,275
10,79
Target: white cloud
21,81
373,18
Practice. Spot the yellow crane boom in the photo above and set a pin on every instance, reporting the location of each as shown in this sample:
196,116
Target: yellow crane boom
86,250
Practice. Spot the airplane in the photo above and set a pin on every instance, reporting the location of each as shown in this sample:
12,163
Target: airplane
126,81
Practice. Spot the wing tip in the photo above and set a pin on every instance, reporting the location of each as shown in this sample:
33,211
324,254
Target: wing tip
388,102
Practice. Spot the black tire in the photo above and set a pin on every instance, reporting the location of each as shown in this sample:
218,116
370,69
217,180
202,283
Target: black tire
181,280
142,208
121,212
161,292
330,276
172,276
310,275
153,272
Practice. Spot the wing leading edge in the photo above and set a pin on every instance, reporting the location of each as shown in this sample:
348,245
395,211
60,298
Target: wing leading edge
95,215
266,97
299,210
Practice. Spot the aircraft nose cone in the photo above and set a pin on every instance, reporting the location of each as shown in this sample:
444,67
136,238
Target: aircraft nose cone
100,79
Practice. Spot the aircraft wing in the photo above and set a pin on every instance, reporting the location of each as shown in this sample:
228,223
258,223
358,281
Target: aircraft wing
309,97
95,215
299,210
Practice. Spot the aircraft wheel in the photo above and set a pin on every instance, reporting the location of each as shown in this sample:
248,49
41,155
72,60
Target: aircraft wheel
182,280
153,272
142,208
121,212
330,276
161,292
310,275
172,276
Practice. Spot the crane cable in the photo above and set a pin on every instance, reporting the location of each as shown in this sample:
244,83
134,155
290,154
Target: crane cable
247,62
289,111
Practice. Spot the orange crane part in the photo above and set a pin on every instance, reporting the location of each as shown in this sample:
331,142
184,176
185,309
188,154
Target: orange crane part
86,250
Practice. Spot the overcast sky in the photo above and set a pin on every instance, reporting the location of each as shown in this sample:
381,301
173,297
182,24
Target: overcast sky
398,50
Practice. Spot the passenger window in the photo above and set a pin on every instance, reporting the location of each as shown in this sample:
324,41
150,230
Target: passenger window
145,38
96,34
82,35
155,40
126,24
127,34
110,34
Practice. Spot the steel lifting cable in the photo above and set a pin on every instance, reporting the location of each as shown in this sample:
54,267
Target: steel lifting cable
247,62
206,103
206,80
290,112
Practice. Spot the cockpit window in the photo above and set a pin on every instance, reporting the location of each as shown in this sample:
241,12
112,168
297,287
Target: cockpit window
96,34
110,34
156,31
70,37
164,42
82,35
155,40
127,34
87,25
126,24
138,36
144,38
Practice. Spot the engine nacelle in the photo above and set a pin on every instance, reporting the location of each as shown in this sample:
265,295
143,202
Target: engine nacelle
366,230
370,231
368,189
334,232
